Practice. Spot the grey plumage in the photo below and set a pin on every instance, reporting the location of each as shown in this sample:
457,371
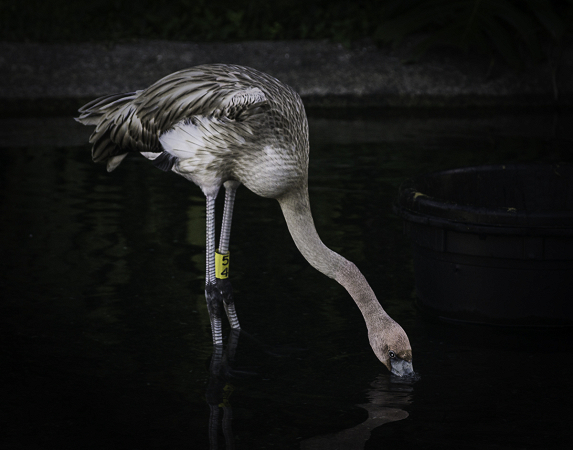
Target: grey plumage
224,124
236,109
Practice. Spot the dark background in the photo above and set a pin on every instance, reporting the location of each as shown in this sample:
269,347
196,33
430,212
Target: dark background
104,327
516,31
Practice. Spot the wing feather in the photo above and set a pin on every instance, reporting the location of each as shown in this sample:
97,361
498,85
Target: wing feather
133,122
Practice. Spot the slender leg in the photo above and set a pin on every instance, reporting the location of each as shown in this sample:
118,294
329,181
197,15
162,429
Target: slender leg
224,284
230,191
212,293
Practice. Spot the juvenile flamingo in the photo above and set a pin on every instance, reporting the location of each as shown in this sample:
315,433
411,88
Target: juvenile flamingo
225,125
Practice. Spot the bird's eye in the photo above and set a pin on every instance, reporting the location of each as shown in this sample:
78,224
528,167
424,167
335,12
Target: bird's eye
392,354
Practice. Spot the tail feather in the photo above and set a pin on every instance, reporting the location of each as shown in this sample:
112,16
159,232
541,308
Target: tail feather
92,112
114,161
117,127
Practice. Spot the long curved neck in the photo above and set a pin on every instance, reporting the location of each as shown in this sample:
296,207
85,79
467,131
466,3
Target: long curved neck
296,209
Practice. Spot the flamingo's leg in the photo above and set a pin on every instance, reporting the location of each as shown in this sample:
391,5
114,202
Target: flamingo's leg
223,282
212,292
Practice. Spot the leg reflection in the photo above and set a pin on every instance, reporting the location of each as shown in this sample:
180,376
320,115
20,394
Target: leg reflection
219,391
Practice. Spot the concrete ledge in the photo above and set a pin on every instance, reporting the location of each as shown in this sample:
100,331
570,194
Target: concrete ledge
324,74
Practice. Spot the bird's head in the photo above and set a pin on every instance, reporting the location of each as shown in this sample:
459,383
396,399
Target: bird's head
391,345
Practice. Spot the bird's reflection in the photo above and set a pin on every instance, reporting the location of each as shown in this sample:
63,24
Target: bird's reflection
219,390
387,396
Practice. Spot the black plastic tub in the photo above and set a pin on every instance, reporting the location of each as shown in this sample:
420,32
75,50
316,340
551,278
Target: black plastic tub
493,244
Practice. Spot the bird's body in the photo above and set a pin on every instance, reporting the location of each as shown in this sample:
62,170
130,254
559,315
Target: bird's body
223,125
209,124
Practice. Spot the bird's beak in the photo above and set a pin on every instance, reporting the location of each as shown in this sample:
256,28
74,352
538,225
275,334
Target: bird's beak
401,367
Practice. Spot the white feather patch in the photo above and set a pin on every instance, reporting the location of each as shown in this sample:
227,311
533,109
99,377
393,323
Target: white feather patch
201,139
183,140
150,155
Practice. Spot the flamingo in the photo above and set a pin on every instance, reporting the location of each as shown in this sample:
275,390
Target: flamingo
226,125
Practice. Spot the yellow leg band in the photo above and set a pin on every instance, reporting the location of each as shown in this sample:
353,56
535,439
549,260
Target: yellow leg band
222,265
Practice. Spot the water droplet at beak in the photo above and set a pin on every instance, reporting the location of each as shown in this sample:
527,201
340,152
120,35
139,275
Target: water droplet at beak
402,368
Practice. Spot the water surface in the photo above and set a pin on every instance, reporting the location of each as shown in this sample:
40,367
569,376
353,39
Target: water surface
105,333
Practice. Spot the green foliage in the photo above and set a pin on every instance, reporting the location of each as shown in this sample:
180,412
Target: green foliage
196,20
514,29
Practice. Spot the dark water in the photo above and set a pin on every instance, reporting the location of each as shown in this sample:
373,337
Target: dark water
105,333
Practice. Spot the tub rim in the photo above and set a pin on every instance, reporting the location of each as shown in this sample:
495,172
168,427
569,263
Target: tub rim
415,206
